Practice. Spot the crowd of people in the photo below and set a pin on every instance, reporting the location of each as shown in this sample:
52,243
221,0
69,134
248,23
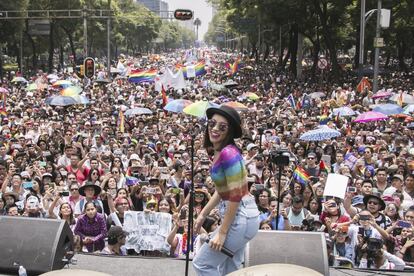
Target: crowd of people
87,165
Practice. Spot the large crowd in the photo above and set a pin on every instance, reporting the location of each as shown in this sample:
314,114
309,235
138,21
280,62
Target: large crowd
91,164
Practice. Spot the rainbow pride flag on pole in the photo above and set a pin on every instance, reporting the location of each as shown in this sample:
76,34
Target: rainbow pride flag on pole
193,70
233,67
300,175
143,76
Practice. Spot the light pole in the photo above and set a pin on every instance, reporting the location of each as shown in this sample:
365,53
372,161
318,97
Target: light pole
361,40
377,47
109,41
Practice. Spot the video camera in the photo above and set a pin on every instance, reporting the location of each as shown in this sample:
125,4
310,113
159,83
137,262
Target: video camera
280,157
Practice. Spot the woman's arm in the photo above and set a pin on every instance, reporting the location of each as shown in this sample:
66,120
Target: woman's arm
52,207
102,230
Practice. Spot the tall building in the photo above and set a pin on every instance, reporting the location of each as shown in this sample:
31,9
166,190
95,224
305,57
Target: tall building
156,6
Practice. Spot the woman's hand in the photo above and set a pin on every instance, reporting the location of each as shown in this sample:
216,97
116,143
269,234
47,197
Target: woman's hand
199,223
87,240
218,241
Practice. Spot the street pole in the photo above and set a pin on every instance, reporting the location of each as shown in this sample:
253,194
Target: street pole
85,33
377,48
21,52
108,41
361,40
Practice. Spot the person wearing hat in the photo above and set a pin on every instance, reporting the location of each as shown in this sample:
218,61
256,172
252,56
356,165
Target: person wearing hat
374,204
229,175
116,242
90,192
397,182
252,151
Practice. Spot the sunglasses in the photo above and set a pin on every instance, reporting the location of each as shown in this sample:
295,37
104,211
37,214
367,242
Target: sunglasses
373,202
311,158
74,189
221,126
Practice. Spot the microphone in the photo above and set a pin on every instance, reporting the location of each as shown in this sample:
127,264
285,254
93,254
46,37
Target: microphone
224,250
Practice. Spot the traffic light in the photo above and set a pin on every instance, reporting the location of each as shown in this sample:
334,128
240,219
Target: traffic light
183,14
89,67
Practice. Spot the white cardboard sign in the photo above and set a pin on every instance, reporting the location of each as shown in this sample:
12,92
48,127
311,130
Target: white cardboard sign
336,185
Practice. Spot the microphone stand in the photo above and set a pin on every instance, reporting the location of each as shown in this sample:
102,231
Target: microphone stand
190,210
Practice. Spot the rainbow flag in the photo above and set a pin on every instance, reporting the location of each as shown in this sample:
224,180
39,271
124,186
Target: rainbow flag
300,175
3,112
323,167
233,67
143,76
199,69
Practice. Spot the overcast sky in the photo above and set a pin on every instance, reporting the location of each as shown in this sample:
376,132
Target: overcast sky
201,9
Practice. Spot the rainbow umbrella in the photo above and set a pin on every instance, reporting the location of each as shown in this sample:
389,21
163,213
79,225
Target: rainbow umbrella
177,106
32,87
19,79
71,91
237,106
252,96
62,84
198,109
370,116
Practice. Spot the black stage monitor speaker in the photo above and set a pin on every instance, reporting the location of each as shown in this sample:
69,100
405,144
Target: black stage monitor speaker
306,249
39,245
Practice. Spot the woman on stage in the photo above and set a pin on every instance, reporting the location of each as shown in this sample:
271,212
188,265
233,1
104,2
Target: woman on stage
237,207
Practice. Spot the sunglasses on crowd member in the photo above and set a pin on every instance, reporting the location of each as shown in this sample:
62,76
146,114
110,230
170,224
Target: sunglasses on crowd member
221,126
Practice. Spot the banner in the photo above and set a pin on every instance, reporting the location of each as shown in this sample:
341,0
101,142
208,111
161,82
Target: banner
147,231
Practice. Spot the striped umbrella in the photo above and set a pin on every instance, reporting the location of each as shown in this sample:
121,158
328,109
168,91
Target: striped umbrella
198,109
18,79
71,91
177,106
251,96
237,106
62,84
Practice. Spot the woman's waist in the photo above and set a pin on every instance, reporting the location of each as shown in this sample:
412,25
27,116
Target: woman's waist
247,207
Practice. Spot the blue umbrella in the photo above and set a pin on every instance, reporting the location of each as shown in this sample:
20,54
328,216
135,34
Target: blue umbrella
409,109
388,109
343,111
138,111
177,106
61,101
321,133
80,99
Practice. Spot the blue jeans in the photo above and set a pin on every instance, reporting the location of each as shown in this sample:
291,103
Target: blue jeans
245,226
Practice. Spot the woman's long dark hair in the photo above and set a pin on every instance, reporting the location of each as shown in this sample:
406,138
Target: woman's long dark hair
71,218
229,140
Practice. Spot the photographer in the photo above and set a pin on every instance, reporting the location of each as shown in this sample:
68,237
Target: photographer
373,256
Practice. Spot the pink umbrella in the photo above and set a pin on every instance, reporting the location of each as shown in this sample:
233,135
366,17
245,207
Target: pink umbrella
382,94
3,90
370,116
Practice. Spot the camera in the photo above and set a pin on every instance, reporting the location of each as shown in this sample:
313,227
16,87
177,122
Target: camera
280,157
